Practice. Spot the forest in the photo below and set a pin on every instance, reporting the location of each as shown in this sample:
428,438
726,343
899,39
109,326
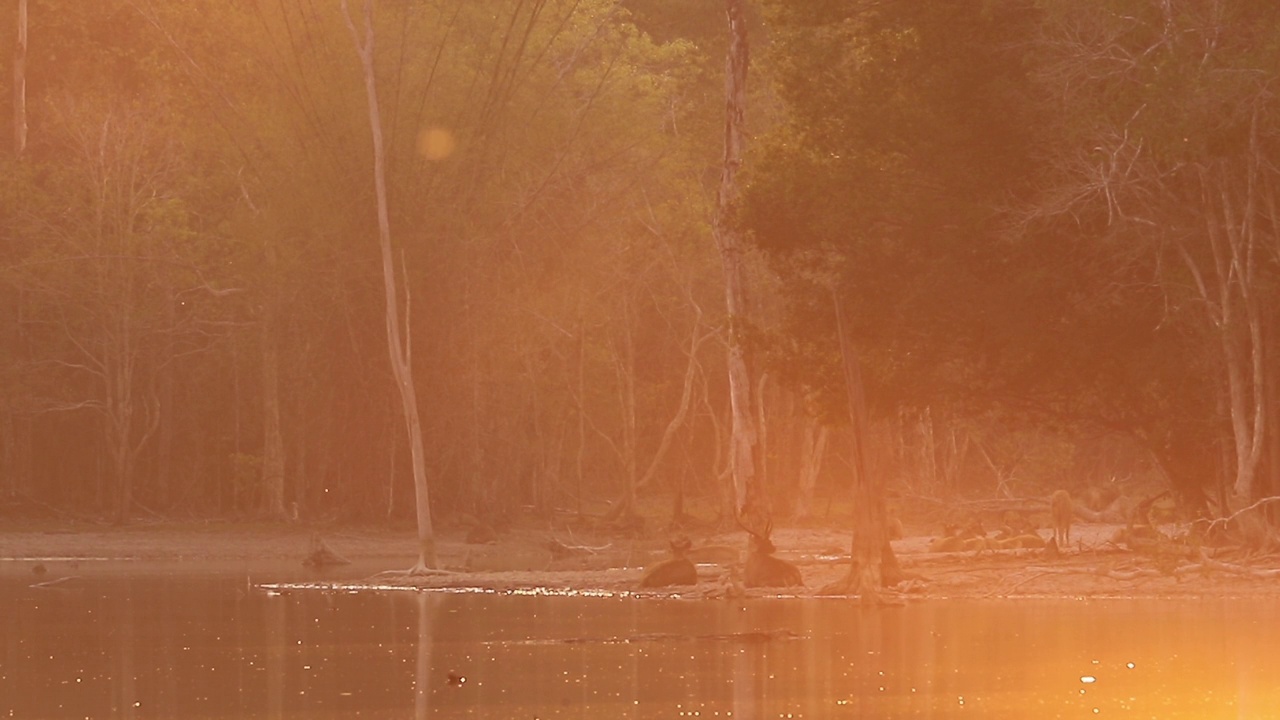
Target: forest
1042,233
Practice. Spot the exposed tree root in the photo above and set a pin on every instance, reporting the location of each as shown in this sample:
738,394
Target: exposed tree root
1206,563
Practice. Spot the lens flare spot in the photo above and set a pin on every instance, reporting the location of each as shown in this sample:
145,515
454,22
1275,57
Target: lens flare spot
436,143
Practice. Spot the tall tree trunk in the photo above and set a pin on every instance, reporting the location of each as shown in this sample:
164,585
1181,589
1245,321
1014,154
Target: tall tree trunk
20,83
398,346
164,439
744,459
873,563
8,447
624,369
272,441
581,411
1228,286
929,452
682,410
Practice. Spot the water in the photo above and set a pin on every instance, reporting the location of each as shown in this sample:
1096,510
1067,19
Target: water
133,645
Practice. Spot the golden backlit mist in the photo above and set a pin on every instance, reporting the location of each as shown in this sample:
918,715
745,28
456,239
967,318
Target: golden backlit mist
436,143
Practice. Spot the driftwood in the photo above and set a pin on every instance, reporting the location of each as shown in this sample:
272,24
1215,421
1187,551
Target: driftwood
1207,563
560,550
1167,566
409,576
1221,524
70,581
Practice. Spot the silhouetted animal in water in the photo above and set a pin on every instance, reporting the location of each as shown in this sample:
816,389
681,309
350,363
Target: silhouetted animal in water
481,534
321,555
765,570
679,570
1051,550
971,536
1061,510
946,543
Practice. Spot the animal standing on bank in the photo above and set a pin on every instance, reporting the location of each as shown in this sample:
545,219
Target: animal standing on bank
1061,510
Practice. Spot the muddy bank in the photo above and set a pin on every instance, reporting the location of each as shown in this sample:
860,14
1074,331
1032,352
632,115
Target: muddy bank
566,560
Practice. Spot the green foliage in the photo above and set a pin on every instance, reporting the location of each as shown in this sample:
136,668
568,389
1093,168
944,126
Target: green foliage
904,134
1014,198
544,184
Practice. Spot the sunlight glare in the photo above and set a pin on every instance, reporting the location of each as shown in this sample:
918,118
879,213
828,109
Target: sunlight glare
435,143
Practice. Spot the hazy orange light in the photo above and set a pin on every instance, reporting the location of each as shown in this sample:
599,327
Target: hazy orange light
436,143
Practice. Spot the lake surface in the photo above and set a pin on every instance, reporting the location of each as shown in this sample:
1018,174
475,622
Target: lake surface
133,644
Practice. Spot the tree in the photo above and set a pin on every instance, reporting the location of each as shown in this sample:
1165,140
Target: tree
1162,145
884,180
399,345
106,280
531,150
876,199
20,83
744,448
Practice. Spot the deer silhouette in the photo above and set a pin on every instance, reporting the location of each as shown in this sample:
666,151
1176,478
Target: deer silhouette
679,570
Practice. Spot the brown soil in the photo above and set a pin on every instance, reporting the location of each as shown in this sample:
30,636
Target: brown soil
583,561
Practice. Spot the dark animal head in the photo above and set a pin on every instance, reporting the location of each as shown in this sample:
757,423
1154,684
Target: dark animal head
680,545
760,542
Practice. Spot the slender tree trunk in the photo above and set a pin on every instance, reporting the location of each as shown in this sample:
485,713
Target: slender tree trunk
478,486
8,448
118,376
124,485
272,441
762,434
744,449
302,469
237,426
398,346
1271,455
163,497
579,472
392,450
1228,286
720,470
813,447
682,410
929,451
20,83
625,370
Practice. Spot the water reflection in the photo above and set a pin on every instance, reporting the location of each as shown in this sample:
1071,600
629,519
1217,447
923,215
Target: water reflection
193,646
